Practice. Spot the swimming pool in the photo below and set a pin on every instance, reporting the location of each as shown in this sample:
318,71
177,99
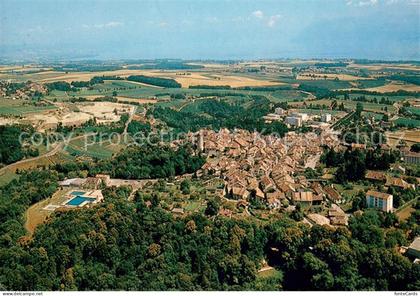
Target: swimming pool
77,193
78,200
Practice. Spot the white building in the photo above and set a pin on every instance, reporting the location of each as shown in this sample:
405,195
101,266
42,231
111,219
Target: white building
294,121
303,116
379,200
326,117
412,157
271,117
279,111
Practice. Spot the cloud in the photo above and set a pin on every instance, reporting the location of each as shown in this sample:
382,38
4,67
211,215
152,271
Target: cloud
363,3
163,24
111,24
258,14
272,20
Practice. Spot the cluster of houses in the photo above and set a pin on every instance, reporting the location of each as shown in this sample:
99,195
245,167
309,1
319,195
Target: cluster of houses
296,119
25,93
381,200
384,178
266,167
100,181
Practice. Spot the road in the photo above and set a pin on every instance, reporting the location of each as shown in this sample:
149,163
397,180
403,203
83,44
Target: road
130,118
12,166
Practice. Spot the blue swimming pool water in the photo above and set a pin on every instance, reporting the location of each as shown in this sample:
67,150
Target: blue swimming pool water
78,200
78,193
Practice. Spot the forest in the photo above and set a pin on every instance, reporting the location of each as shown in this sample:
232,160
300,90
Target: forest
352,164
139,162
11,149
163,82
220,114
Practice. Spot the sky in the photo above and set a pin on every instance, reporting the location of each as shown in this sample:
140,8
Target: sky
210,29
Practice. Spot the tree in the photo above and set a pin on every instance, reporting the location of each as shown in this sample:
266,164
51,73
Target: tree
317,272
212,208
185,186
354,166
297,213
359,202
415,147
359,109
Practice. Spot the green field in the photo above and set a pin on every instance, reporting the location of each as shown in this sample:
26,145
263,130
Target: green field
328,84
96,150
408,122
377,116
378,97
414,110
319,112
368,83
350,105
19,107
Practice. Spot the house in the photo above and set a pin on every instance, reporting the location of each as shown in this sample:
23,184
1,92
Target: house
317,188
326,117
287,188
318,219
337,215
414,248
412,157
398,182
77,182
306,197
91,183
332,194
259,194
178,211
266,183
279,111
379,200
271,117
106,179
302,196
303,116
375,176
274,199
225,212
398,168
355,146
239,193
242,204
293,121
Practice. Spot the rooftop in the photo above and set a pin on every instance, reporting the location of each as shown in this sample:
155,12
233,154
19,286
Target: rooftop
378,194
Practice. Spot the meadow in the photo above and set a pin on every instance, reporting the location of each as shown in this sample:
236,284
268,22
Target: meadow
21,107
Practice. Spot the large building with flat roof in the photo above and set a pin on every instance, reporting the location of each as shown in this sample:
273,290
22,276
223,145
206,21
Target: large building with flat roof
294,121
379,200
412,157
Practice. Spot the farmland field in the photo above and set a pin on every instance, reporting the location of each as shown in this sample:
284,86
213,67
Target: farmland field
408,122
18,107
95,150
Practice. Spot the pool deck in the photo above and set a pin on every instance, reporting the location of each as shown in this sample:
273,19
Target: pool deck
87,197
